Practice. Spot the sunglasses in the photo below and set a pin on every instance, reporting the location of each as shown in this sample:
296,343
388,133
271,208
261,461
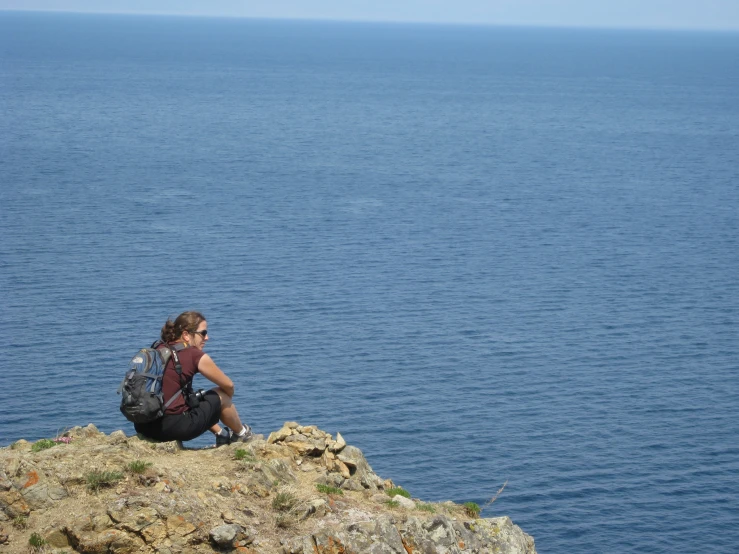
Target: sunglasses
203,333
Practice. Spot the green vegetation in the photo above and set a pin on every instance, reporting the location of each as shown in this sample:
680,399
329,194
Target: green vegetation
284,502
97,479
327,489
20,522
138,466
472,509
244,455
392,503
427,508
397,491
43,444
36,540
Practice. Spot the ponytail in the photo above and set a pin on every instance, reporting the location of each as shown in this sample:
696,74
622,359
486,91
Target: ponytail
186,321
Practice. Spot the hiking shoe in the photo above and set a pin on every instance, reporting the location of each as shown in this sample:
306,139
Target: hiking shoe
223,440
246,437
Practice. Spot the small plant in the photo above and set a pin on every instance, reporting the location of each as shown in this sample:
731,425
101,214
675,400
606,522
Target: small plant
97,479
43,444
138,467
284,521
392,503
427,508
472,509
20,522
397,491
327,489
284,502
244,455
36,540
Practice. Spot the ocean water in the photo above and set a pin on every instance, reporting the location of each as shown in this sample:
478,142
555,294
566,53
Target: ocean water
484,255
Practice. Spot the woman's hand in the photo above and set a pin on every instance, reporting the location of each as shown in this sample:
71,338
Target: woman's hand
213,373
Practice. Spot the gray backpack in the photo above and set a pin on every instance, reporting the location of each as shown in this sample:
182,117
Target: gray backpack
143,400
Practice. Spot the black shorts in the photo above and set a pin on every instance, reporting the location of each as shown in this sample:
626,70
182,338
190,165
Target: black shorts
185,426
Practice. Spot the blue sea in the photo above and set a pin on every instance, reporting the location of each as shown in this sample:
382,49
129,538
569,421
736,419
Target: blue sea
484,255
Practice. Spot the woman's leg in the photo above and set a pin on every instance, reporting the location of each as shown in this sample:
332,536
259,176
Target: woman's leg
229,415
180,427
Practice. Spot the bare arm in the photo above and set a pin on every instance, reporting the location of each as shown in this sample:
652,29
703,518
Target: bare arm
212,372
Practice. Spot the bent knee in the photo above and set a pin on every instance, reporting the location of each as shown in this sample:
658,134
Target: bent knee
225,398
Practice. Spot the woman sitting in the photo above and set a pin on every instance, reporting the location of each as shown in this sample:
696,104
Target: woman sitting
187,418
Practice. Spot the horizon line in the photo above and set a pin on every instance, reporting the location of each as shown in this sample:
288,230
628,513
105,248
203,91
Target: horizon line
563,26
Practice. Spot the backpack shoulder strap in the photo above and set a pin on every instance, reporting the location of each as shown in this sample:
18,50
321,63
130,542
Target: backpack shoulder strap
174,396
178,347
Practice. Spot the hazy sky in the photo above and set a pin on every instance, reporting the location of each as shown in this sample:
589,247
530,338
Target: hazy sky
661,14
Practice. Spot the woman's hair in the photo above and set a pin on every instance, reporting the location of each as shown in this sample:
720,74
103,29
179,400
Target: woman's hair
186,321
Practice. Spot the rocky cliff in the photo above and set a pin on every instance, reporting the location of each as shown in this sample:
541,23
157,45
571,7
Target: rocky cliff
301,491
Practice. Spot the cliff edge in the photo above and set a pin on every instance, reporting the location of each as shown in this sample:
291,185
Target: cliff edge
301,491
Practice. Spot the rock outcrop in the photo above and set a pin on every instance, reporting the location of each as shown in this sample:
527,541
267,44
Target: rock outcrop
301,491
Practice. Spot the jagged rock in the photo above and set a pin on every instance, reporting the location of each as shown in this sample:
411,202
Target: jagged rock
57,538
116,511
434,535
170,447
22,472
374,537
91,431
278,471
43,493
117,437
352,485
111,540
359,469
317,507
179,526
506,537
5,483
248,536
13,504
328,462
343,469
21,444
467,539
100,522
123,543
332,480
338,444
12,464
224,536
204,501
404,502
154,533
305,446
137,521
298,545
258,485
278,436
